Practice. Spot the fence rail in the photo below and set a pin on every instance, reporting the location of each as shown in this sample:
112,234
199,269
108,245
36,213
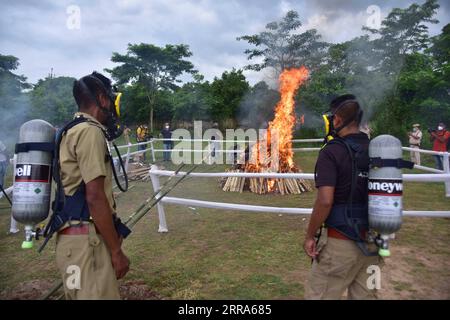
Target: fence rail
155,173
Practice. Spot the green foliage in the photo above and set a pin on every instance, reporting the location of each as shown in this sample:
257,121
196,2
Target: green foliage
227,93
14,103
134,104
441,47
153,68
192,102
52,100
402,32
281,47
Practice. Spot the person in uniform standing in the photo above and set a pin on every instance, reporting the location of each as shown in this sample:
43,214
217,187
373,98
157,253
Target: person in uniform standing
415,140
166,133
341,255
89,255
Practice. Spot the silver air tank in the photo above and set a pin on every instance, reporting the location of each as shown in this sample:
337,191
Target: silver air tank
32,183
385,190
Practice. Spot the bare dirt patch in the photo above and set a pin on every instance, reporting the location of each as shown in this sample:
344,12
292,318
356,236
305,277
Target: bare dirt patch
34,289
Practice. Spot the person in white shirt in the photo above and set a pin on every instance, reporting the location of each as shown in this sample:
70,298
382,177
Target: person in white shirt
415,139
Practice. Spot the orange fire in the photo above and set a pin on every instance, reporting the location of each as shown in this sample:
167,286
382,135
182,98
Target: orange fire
282,125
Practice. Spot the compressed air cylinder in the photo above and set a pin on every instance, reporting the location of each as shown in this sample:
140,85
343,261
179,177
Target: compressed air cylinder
385,190
32,181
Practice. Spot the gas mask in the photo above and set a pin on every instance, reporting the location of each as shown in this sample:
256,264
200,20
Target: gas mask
113,127
330,131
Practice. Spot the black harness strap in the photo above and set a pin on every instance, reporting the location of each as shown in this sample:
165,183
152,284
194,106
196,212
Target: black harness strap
78,208
354,222
35,146
395,163
60,198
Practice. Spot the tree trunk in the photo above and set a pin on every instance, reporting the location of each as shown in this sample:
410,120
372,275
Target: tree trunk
151,119
151,99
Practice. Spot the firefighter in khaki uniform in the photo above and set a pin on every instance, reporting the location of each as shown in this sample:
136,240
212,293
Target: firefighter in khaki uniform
88,248
341,257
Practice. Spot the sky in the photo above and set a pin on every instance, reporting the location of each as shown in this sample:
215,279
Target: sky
48,34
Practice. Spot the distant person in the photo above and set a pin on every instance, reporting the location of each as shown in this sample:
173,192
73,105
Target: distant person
235,153
4,160
126,134
166,133
214,144
415,140
440,139
142,136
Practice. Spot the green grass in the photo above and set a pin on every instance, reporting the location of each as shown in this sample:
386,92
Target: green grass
220,254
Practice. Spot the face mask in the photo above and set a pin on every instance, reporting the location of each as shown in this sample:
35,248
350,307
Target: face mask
328,118
167,127
113,126
440,128
415,129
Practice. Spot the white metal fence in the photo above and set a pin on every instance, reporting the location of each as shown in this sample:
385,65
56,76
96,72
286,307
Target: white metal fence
445,155
155,173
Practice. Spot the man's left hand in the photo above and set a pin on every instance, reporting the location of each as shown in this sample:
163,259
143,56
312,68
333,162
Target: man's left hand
310,247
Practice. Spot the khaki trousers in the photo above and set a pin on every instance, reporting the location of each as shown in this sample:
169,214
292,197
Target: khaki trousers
341,266
84,262
415,156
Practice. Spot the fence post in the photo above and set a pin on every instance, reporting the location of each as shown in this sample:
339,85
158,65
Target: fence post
159,205
446,165
153,150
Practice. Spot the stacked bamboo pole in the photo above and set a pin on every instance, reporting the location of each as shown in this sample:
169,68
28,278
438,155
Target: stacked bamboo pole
265,185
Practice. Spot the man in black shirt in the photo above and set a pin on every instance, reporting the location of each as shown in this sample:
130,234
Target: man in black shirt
166,133
341,258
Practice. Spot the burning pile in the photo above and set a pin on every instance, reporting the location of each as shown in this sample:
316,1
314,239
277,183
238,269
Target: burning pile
273,153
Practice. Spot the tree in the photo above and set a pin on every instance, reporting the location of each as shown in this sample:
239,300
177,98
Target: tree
153,67
227,93
134,104
10,84
402,32
52,100
441,47
135,107
193,100
14,102
281,48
